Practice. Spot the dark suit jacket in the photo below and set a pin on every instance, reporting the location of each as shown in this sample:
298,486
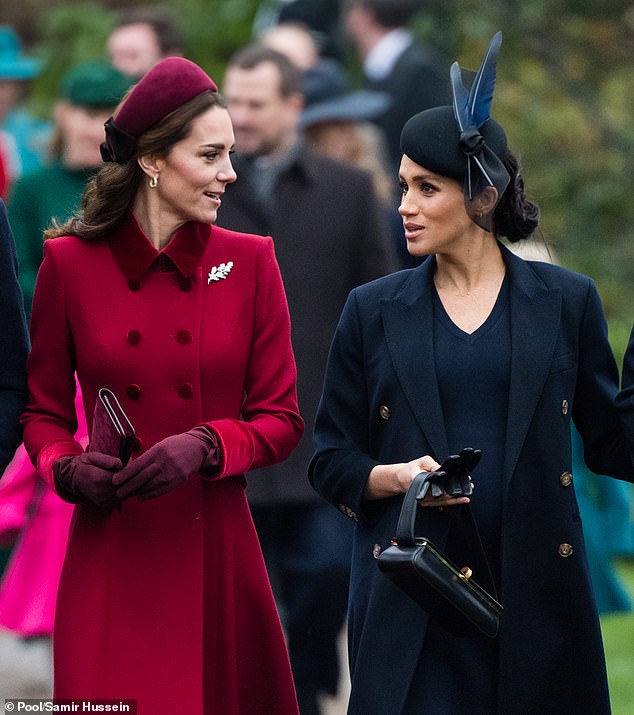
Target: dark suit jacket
381,405
13,345
329,238
419,80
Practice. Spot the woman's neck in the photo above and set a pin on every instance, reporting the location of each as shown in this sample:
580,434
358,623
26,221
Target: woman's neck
158,226
468,288
480,267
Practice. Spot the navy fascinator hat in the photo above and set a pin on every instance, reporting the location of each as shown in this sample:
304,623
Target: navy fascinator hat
463,141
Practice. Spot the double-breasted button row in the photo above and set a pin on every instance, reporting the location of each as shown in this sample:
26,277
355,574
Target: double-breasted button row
185,391
182,336
350,513
566,479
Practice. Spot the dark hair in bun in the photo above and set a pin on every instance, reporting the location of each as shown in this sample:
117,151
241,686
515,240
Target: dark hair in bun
516,217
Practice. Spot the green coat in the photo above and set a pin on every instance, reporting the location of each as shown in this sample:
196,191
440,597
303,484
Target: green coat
52,192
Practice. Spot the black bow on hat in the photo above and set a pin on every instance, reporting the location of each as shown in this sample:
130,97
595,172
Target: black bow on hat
471,110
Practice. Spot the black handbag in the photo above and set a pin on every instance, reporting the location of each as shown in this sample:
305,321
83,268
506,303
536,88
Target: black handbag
450,594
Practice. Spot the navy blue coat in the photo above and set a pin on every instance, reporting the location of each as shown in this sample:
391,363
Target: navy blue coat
13,345
381,405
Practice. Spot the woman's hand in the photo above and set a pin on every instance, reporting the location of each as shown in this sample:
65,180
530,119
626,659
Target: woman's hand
166,465
387,480
88,476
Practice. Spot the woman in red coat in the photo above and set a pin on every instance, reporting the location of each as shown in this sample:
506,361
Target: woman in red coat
164,596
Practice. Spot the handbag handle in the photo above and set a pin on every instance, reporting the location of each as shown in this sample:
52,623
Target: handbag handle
405,529
407,517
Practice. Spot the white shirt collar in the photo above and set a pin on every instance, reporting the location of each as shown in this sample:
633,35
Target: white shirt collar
381,60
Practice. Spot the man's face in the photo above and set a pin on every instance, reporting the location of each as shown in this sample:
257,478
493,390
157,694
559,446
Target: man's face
264,121
81,130
134,49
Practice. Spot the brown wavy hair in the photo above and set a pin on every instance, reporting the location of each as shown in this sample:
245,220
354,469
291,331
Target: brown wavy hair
109,194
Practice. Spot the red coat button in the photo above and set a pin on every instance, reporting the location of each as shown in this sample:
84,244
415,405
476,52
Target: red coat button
183,337
136,445
134,337
133,392
185,390
185,284
134,285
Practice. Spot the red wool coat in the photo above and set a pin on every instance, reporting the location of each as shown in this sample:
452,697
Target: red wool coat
168,602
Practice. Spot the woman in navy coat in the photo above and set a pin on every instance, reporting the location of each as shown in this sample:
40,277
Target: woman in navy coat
474,348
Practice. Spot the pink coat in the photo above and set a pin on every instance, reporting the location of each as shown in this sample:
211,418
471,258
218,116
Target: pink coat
168,602
29,583
30,509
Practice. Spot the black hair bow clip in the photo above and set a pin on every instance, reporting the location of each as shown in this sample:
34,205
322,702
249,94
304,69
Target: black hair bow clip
119,146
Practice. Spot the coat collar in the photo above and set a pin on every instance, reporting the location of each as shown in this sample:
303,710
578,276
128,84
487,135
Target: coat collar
135,254
535,317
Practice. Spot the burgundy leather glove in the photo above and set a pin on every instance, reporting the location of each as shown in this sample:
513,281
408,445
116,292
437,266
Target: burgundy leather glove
87,476
167,464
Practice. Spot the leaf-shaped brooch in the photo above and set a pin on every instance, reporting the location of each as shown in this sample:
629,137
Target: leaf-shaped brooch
219,273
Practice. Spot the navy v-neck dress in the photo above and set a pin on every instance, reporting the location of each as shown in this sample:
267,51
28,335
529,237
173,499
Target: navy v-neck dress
457,675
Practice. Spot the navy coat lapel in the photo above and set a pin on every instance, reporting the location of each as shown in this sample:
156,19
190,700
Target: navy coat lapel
535,321
408,324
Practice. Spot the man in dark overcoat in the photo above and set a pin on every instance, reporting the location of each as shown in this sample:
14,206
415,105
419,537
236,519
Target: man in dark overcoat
329,237
414,75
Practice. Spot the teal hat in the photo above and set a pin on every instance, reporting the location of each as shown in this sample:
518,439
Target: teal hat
13,64
97,85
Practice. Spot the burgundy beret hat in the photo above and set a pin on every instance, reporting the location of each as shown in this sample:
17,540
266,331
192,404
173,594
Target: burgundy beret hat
167,86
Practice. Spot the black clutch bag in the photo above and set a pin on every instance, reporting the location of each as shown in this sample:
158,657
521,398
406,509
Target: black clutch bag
450,594
112,432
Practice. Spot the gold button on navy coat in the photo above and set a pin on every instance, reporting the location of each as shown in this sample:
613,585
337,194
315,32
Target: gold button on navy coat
565,550
565,479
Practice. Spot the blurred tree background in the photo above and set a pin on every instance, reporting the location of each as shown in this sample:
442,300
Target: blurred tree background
565,94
